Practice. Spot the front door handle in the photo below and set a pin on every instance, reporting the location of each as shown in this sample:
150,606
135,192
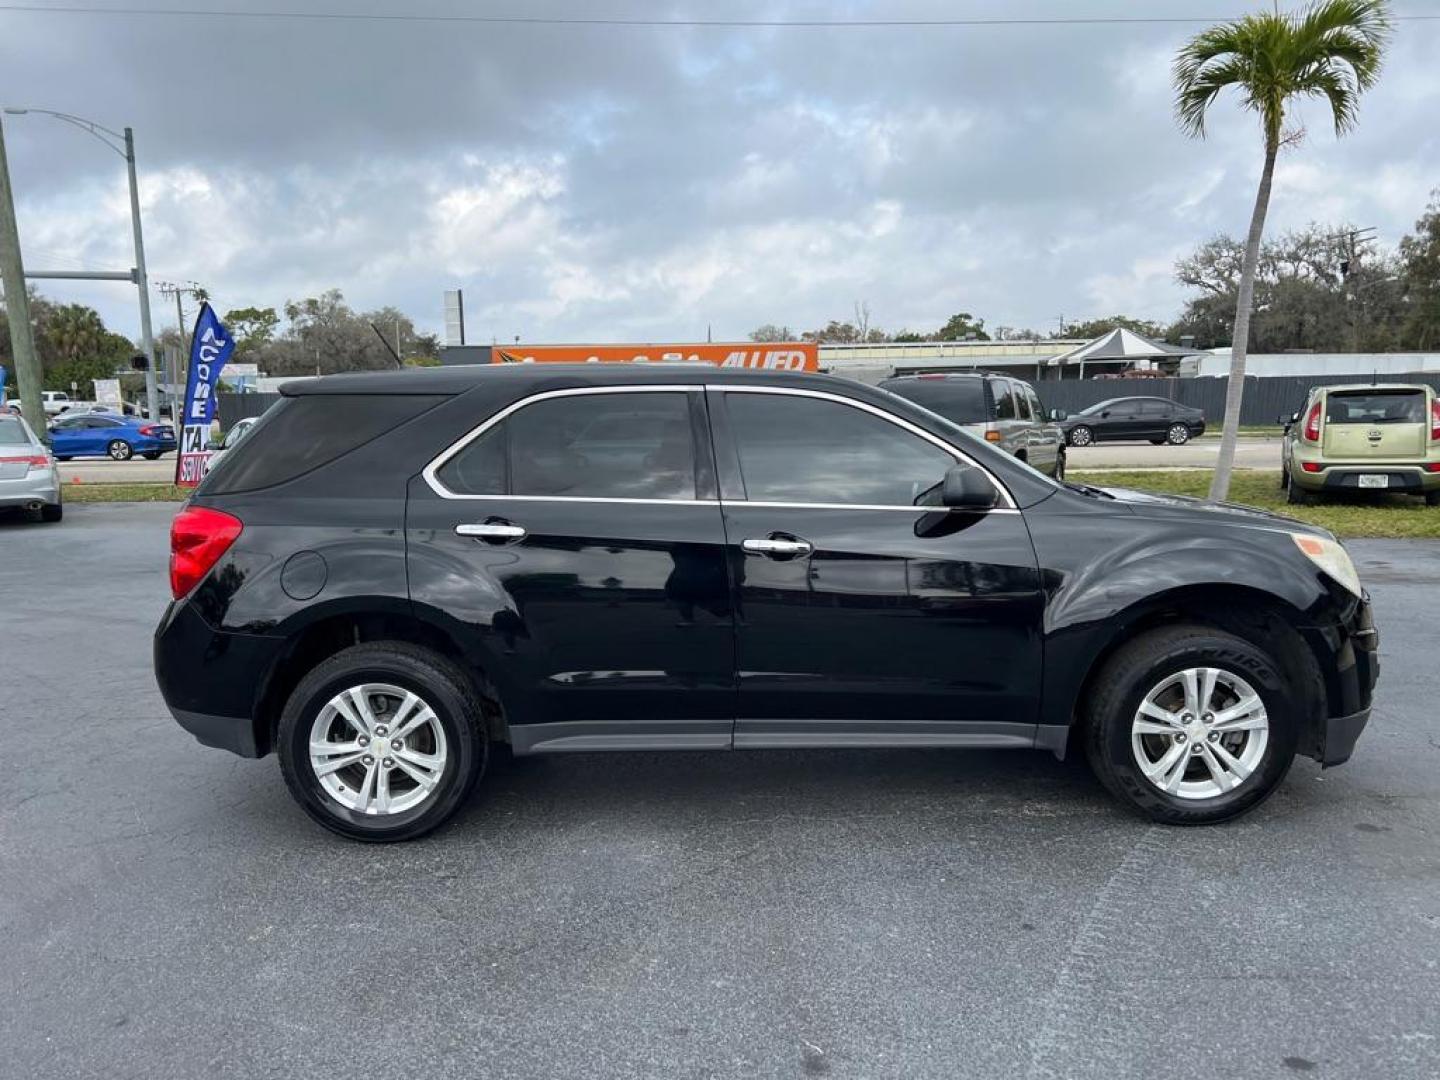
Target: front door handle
492,531
777,545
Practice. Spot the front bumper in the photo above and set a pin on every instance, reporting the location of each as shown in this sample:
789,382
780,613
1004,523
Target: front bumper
38,485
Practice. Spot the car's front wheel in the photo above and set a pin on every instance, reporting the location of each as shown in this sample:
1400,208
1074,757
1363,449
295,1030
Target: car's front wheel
120,450
1081,436
1178,435
383,741
1190,725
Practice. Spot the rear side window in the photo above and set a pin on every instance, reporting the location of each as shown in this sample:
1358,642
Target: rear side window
1376,407
12,434
598,446
961,401
302,433
1022,403
1153,407
1004,401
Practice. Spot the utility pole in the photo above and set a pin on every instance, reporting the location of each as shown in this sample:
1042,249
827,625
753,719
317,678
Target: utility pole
147,342
17,304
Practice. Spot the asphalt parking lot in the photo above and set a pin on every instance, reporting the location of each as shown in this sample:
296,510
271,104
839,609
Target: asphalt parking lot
166,911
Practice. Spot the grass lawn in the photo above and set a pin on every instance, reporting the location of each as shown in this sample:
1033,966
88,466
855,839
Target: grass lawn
92,493
1359,515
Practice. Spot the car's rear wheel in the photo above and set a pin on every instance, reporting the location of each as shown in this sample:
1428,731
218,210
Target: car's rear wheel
151,455
1059,473
1190,726
1432,498
383,741
1081,436
1178,435
1295,494
52,512
120,450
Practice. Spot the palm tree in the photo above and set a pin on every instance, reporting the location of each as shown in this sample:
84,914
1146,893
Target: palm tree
1331,50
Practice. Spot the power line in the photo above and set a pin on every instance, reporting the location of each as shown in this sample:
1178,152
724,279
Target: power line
624,23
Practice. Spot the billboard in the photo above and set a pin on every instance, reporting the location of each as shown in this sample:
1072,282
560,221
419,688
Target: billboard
764,356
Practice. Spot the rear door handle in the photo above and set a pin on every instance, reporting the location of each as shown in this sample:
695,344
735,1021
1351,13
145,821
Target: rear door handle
777,545
491,530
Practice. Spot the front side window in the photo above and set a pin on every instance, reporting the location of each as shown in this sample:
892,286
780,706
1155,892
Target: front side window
797,449
597,446
1022,403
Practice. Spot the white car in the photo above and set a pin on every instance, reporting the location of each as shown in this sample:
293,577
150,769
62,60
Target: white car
237,431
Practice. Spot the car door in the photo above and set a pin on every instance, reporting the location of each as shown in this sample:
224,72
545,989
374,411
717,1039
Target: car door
577,538
1154,418
1120,421
1007,415
68,437
863,615
99,432
1045,437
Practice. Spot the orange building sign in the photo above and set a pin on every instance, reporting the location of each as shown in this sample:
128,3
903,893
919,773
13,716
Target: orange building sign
767,356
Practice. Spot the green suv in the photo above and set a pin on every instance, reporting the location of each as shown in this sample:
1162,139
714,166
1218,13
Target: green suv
1374,437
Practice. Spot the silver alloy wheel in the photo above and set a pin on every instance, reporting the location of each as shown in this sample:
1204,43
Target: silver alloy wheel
1200,733
378,749
1080,437
1178,435
119,450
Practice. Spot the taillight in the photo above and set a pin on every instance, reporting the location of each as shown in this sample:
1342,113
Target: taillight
149,430
1435,420
198,537
1312,423
33,461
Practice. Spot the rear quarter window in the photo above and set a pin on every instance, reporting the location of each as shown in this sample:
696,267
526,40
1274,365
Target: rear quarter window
300,434
961,401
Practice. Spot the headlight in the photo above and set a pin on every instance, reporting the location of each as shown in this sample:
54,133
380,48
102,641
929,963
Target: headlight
1330,556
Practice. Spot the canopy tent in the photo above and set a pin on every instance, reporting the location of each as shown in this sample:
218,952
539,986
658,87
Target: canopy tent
1121,349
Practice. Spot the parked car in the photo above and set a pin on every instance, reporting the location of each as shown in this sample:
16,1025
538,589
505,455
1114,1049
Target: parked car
238,431
998,408
1155,419
110,435
396,572
1371,437
28,478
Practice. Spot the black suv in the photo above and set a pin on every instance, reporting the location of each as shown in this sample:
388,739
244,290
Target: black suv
396,574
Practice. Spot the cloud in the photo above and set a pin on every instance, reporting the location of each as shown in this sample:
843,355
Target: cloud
610,184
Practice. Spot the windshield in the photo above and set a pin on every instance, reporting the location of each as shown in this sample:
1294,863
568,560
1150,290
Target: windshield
1376,407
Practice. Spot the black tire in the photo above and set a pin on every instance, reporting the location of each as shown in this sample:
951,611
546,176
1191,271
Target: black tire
119,450
1284,476
52,512
1081,436
151,455
1059,473
440,682
1295,494
1157,442
1178,435
1432,498
1116,693
62,457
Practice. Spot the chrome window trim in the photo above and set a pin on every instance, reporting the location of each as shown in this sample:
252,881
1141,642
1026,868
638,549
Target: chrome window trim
865,406
439,461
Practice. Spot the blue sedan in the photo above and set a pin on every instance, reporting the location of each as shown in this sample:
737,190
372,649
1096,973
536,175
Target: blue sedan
109,435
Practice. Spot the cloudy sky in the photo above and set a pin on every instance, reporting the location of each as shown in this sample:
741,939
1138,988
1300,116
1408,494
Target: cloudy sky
589,182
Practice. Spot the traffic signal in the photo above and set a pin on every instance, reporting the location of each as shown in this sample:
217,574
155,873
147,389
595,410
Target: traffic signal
140,362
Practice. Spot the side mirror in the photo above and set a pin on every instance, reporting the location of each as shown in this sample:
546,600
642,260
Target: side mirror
1056,415
1105,415
967,488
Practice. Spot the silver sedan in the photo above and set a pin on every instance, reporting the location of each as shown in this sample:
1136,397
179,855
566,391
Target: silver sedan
28,476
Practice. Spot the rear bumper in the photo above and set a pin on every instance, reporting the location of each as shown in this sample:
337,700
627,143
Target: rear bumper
1412,479
208,679
38,485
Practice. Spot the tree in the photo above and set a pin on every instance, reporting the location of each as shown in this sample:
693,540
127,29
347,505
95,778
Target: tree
961,327
1093,328
771,332
1420,255
252,327
1333,50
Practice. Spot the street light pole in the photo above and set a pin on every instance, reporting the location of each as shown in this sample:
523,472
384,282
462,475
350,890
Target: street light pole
126,149
17,304
147,342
